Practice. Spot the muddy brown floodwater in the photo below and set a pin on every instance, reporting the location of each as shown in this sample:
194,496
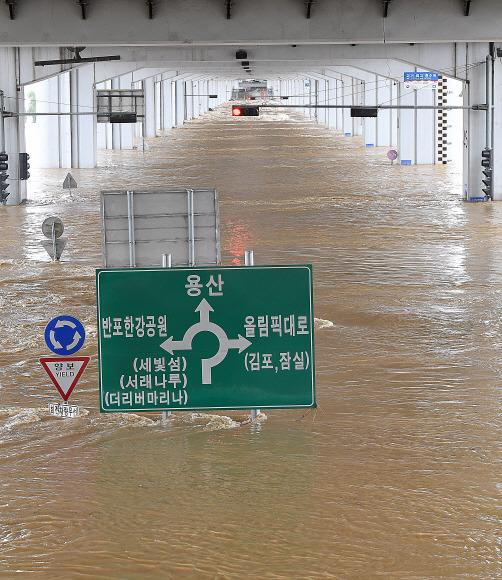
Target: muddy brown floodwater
397,474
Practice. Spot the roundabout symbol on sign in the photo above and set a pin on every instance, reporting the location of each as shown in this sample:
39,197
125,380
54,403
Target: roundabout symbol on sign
205,324
64,335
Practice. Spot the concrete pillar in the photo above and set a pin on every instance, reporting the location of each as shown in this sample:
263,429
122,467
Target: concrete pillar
407,130
104,131
348,93
339,101
370,99
196,84
180,102
313,98
51,134
150,122
159,104
166,96
221,91
358,88
212,89
296,92
386,117
173,103
13,126
203,96
64,121
305,92
123,134
475,125
331,86
497,129
325,100
188,97
426,128
83,127
205,102
322,100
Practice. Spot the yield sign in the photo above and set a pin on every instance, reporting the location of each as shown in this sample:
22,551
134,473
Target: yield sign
65,372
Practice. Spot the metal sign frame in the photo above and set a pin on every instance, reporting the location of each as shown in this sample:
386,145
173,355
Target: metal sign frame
139,226
115,106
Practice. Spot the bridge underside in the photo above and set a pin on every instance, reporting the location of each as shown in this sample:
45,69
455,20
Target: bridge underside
325,58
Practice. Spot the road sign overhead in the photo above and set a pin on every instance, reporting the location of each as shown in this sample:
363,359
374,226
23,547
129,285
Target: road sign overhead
421,80
206,338
65,372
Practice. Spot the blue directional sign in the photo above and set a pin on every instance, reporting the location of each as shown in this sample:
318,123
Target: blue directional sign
64,335
420,76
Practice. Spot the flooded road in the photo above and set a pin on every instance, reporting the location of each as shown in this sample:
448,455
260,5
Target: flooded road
397,474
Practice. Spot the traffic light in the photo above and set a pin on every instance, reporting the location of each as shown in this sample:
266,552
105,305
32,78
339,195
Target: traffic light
364,111
4,194
486,163
486,154
245,111
4,158
24,166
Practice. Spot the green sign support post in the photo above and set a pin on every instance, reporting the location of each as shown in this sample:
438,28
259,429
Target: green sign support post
205,338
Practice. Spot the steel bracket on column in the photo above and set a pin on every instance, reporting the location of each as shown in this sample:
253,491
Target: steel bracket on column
83,8
467,7
228,7
12,8
308,4
386,7
150,4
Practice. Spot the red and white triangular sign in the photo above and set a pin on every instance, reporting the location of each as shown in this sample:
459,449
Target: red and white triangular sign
65,372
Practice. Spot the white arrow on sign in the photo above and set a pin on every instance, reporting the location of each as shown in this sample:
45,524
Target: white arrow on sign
205,325
76,338
55,343
60,324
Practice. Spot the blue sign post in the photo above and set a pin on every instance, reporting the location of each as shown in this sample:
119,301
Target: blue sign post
64,335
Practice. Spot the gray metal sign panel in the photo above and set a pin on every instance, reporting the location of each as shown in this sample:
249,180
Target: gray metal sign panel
139,226
117,105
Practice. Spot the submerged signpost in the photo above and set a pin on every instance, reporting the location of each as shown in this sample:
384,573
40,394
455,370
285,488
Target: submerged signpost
64,335
53,229
205,338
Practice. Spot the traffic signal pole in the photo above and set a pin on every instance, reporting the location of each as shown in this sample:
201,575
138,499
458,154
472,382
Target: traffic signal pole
487,154
489,101
437,107
4,194
2,127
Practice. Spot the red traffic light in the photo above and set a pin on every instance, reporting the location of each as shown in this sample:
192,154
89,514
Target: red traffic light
245,111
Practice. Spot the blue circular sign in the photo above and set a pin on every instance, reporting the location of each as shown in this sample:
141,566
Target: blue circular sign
64,335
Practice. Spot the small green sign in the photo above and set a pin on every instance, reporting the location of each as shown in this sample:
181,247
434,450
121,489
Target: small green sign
205,338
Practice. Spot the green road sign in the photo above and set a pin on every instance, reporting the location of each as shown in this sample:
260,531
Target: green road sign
205,338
